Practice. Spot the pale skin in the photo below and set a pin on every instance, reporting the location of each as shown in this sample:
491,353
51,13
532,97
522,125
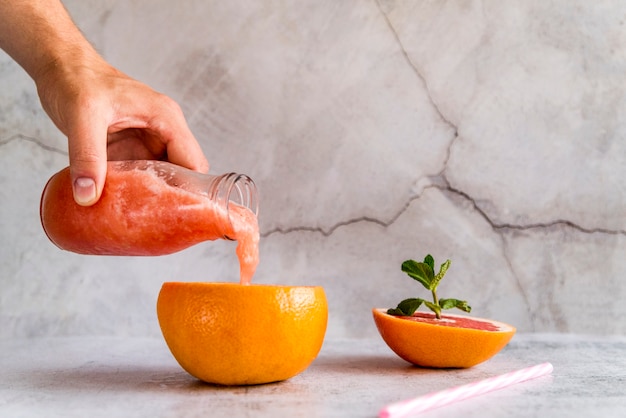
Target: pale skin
105,114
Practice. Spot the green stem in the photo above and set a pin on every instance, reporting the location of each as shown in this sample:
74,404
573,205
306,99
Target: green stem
436,302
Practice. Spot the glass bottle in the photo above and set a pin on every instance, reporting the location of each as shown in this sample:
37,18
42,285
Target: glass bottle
146,208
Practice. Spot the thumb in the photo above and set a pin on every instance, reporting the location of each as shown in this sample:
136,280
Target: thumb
88,161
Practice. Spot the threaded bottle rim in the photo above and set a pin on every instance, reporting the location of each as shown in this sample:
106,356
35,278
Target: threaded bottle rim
238,189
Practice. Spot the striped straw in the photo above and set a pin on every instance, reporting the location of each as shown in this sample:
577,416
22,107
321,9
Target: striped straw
434,400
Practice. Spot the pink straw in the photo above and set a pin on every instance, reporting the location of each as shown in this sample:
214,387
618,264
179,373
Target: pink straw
447,396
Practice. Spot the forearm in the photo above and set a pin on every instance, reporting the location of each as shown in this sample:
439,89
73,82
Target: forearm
40,34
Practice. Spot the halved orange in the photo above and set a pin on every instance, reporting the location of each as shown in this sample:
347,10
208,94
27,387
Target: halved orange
233,334
454,341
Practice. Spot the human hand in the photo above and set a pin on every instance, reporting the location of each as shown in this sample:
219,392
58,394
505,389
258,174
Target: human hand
107,115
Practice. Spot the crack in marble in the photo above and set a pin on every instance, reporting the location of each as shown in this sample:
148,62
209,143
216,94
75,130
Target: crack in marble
532,313
422,78
36,141
439,181
501,228
445,187
525,227
329,231
415,68
448,187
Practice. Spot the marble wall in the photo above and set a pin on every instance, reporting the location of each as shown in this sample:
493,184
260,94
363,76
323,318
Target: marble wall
487,132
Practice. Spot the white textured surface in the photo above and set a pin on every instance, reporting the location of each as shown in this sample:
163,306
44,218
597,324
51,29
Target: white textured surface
487,133
111,377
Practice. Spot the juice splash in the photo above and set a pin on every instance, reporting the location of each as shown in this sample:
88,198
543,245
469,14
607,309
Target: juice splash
147,211
246,233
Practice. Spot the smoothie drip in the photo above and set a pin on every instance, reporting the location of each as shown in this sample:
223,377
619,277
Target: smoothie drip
246,233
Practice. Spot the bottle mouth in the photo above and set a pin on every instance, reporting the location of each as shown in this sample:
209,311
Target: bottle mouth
241,191
237,189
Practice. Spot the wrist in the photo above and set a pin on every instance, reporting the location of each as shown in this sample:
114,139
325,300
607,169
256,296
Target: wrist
41,36
65,64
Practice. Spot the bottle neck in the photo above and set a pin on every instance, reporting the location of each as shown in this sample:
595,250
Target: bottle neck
233,188
224,190
232,192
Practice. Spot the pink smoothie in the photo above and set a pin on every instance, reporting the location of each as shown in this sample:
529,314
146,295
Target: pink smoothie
140,214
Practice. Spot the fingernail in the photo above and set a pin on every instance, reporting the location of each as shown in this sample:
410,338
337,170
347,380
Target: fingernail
84,191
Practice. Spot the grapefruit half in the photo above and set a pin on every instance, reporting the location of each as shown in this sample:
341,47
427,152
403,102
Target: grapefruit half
454,341
233,334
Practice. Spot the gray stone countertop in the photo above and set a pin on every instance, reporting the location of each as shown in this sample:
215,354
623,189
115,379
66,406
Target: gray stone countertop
138,377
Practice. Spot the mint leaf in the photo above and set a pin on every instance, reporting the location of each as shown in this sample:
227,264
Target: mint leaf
421,272
442,272
424,273
407,307
454,303
430,261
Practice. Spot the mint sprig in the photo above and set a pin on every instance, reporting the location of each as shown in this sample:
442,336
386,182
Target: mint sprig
424,273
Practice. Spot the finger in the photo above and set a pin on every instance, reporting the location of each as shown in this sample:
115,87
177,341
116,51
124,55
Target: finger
87,140
182,147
